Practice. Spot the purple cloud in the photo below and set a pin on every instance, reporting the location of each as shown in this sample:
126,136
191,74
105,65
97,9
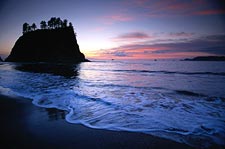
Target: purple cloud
131,36
177,7
208,45
120,54
181,34
111,19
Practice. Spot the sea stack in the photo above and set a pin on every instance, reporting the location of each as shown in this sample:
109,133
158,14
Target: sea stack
55,45
1,59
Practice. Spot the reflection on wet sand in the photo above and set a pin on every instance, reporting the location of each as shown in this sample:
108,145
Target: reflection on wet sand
55,114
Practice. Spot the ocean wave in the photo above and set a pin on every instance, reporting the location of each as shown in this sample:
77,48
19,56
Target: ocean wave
189,93
172,72
161,72
156,114
178,111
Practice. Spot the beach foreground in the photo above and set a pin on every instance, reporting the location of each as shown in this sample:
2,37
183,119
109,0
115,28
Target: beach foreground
25,125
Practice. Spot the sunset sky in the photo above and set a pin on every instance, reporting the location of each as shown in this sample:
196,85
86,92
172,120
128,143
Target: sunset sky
125,29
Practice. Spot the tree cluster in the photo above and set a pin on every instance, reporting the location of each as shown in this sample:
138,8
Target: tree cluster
53,23
28,28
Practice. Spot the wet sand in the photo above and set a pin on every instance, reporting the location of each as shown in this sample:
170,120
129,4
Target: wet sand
24,125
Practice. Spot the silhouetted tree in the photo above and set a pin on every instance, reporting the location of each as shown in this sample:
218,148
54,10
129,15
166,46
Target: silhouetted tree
64,24
29,29
43,25
70,24
58,22
33,26
50,24
54,22
25,27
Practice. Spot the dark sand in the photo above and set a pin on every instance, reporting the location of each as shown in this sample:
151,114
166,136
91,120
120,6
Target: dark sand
24,125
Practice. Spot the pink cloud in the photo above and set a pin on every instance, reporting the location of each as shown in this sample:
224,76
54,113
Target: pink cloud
97,29
117,18
134,3
177,8
199,46
198,7
210,12
141,2
166,8
131,36
181,34
121,18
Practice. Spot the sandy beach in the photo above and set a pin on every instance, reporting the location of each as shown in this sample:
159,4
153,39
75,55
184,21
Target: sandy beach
25,125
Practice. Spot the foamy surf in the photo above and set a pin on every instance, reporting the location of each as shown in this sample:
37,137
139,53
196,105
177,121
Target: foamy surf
186,107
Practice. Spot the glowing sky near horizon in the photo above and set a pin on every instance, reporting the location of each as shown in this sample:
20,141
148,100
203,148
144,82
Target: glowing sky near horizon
126,29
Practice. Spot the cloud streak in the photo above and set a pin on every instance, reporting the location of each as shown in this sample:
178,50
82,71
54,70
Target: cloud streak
202,46
131,36
134,37
114,18
210,12
166,8
181,34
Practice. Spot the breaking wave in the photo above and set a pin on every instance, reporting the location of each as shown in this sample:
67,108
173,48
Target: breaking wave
176,107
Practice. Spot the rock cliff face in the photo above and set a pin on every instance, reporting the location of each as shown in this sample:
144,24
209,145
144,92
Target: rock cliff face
47,45
1,59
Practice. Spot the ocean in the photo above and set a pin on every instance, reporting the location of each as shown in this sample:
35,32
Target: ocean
182,101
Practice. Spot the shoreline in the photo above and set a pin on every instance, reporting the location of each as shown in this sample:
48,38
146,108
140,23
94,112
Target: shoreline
26,125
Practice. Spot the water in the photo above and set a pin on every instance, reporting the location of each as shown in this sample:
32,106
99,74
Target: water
180,100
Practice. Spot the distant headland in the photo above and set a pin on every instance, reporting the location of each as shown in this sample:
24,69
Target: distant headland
206,58
55,42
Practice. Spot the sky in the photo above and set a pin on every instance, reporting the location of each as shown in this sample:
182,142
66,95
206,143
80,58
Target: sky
125,29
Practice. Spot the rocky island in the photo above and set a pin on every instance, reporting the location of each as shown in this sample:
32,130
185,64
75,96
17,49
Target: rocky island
55,42
206,58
